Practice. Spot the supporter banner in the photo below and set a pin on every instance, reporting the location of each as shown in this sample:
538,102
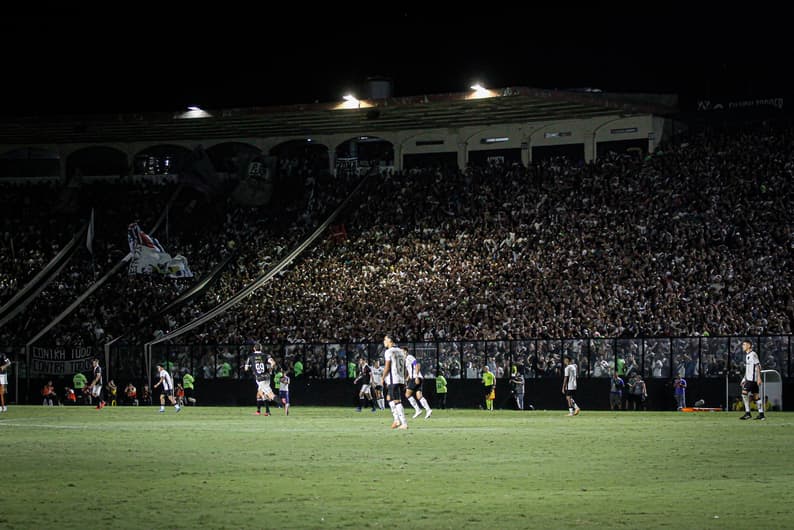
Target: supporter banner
347,164
708,105
149,256
60,360
256,181
177,267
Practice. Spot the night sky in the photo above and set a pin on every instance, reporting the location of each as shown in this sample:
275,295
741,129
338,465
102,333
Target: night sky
88,62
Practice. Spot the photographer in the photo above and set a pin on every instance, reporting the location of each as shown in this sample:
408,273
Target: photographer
517,387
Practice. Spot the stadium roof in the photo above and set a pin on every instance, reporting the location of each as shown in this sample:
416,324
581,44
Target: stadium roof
508,105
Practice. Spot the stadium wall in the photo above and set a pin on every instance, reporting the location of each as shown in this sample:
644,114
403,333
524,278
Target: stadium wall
542,394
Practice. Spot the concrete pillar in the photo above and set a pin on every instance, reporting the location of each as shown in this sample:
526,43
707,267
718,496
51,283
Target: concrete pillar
398,157
332,160
526,153
463,154
589,145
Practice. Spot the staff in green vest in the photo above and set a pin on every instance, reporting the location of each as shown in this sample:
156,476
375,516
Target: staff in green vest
297,368
489,384
79,381
188,383
441,390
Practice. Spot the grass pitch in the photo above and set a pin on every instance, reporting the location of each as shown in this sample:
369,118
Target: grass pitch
131,467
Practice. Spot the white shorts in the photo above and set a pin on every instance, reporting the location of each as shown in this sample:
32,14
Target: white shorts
96,390
264,388
364,389
3,378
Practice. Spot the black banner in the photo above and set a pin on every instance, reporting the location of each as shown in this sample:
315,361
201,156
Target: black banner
60,360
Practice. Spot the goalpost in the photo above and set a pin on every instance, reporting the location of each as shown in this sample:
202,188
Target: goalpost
772,389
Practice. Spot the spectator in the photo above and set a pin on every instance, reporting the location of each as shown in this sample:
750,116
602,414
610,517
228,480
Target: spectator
48,392
616,386
679,391
639,393
130,395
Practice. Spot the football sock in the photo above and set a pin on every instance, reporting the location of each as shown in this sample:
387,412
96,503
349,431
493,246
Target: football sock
400,413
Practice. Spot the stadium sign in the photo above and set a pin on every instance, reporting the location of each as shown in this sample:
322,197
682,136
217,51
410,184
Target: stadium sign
60,360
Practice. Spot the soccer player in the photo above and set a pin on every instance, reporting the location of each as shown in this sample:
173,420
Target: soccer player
751,382
263,370
283,391
5,362
394,377
365,378
96,384
167,388
569,386
414,386
377,384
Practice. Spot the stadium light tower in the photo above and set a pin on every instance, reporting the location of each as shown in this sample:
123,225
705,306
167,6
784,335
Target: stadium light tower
480,92
351,102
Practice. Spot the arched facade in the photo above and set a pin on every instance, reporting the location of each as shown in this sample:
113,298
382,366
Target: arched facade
97,160
160,159
227,157
30,162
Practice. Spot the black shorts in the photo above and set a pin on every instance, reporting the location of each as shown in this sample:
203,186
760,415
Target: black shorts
379,388
570,393
167,392
750,387
396,392
413,386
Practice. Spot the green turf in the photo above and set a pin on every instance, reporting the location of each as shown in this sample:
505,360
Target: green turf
330,467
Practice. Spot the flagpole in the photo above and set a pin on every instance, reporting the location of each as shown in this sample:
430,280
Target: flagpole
89,242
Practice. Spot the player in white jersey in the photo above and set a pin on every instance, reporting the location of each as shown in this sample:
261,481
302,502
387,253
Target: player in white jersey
751,382
5,362
414,386
167,388
569,386
377,383
394,378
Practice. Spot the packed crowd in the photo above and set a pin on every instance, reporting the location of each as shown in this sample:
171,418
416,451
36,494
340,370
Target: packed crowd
207,230
695,239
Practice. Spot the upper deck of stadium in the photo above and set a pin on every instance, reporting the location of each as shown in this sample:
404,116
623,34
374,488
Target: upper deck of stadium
498,106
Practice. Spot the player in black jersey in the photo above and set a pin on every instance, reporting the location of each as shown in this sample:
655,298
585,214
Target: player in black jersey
96,384
263,365
365,378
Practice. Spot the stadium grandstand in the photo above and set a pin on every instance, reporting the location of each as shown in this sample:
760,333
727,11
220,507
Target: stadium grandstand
498,226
